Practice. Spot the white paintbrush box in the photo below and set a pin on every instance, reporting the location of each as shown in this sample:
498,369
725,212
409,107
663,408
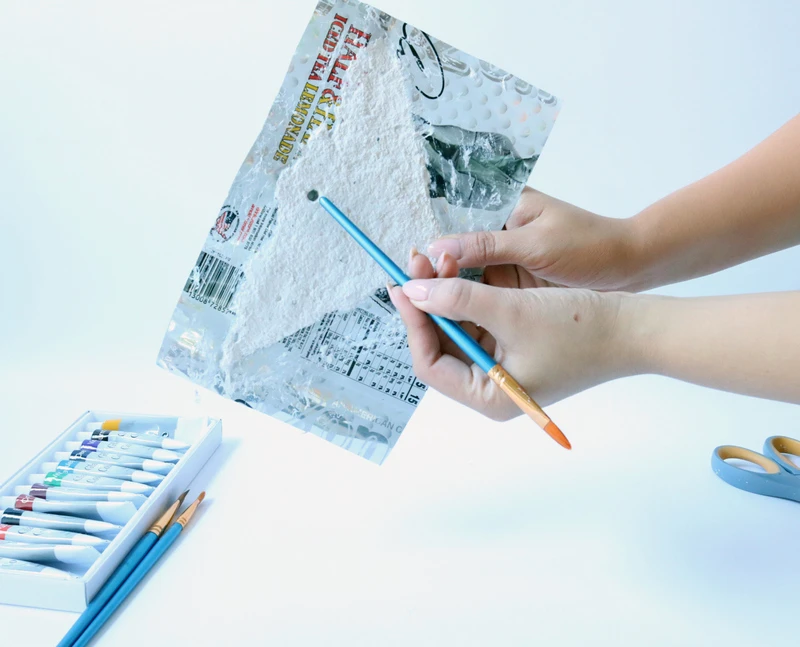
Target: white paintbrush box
34,590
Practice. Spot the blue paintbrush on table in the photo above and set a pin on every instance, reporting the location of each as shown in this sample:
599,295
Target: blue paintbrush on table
119,576
133,569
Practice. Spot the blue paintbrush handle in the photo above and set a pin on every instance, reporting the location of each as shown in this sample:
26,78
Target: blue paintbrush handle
453,330
130,562
466,343
129,585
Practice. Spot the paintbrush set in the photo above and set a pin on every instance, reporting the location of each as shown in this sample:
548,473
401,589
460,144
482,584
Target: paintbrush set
72,514
138,562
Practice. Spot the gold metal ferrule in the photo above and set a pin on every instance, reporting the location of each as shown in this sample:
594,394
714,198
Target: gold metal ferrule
189,512
518,395
166,519
514,390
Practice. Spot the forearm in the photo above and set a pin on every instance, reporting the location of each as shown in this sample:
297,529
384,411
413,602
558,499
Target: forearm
747,344
747,209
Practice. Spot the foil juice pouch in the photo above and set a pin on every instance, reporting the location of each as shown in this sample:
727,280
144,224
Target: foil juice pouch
348,378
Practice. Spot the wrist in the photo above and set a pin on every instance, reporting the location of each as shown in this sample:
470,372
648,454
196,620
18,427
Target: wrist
635,332
638,253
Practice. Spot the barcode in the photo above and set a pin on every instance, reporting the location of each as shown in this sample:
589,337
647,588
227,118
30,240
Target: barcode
213,282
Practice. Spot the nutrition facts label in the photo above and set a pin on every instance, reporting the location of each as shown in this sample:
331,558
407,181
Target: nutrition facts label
336,344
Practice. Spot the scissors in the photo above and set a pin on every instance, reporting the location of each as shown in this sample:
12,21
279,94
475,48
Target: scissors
781,477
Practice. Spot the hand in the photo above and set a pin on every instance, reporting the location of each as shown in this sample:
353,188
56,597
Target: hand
555,342
549,243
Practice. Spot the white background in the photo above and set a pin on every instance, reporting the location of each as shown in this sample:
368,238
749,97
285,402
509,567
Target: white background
121,127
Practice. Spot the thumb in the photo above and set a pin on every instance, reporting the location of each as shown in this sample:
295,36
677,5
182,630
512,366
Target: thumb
459,299
482,248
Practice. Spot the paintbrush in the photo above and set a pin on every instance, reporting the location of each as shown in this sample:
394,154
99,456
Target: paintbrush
454,331
143,568
130,562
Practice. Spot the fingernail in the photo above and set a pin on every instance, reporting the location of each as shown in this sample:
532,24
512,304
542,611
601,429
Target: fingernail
414,252
417,290
440,261
450,245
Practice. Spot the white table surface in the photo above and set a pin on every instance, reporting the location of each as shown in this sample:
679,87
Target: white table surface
119,142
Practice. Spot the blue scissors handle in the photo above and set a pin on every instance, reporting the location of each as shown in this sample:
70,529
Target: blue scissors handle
776,481
775,447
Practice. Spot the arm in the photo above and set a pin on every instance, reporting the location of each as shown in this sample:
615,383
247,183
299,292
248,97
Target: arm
745,210
557,342
747,344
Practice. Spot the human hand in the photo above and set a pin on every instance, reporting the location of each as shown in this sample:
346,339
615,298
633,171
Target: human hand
555,342
550,243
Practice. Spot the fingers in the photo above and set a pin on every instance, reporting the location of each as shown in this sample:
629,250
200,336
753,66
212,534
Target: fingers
420,268
446,267
482,248
450,375
422,337
419,325
505,276
437,359
529,208
460,300
428,340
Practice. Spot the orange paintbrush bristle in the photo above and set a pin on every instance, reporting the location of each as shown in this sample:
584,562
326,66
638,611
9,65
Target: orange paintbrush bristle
557,435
